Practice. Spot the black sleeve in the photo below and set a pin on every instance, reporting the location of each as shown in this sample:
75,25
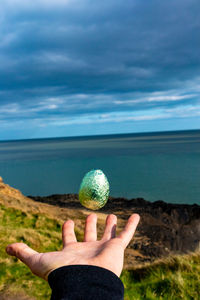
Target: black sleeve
85,282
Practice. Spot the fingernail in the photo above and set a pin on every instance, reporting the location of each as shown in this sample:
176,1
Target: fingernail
9,251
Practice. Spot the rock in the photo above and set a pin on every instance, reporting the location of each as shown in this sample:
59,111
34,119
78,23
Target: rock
164,228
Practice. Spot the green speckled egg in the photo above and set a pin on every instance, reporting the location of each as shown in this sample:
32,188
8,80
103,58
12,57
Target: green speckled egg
94,190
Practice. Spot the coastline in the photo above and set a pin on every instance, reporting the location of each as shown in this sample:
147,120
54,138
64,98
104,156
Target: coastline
164,228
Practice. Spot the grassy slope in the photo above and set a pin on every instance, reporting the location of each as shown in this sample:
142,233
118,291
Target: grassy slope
175,278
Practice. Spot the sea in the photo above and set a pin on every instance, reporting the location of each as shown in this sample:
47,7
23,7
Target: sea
155,165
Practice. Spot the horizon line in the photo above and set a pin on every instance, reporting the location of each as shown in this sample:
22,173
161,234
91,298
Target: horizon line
98,135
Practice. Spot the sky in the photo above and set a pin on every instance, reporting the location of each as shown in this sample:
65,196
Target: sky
83,67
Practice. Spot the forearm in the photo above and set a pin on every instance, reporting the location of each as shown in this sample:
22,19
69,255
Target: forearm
85,282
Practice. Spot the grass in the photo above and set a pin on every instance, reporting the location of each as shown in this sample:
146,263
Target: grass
174,278
40,233
177,277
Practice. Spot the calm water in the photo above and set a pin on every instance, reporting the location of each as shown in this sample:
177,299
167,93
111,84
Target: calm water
154,166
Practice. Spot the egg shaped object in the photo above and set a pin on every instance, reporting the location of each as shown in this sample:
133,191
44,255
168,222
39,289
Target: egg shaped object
94,190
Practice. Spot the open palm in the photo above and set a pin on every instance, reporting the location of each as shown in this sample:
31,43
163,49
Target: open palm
106,253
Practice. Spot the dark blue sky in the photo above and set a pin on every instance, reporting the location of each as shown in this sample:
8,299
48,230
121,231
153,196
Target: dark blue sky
81,67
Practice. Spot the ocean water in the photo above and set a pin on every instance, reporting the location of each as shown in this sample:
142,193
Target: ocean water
155,166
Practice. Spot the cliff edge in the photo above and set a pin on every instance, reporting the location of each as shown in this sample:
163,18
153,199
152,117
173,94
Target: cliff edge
164,228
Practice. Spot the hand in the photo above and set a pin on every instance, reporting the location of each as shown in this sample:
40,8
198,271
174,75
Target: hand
107,253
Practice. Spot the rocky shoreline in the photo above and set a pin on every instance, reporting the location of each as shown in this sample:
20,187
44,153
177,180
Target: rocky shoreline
164,228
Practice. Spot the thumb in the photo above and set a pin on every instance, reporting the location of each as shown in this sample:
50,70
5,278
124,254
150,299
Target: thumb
21,251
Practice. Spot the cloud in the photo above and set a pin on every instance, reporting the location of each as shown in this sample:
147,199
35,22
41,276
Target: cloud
78,58
155,98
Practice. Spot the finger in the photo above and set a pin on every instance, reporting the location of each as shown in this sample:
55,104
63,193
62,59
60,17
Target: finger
129,230
68,234
110,229
90,233
21,251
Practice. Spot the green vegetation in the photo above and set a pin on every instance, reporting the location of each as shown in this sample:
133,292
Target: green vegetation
174,278
40,233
